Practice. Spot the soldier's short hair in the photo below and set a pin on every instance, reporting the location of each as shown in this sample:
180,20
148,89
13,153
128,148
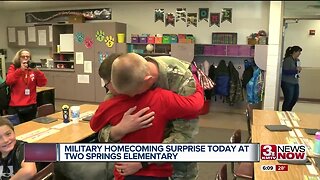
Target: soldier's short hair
128,73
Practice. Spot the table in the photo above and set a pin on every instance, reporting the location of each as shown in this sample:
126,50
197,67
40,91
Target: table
69,134
307,120
263,136
267,117
45,95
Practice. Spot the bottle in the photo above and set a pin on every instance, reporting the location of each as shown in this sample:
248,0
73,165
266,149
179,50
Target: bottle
65,113
316,149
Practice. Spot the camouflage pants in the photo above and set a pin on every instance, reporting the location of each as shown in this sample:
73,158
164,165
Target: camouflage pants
185,171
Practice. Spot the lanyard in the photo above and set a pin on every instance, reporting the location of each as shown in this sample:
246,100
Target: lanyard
26,78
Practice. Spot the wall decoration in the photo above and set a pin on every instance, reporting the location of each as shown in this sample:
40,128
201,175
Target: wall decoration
192,19
102,56
79,37
226,15
203,14
100,35
88,42
58,16
170,19
109,40
181,14
159,15
214,19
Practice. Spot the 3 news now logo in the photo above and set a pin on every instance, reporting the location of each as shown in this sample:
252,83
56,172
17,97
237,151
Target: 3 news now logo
283,152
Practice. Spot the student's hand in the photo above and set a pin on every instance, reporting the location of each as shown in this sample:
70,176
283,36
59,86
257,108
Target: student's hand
133,122
128,168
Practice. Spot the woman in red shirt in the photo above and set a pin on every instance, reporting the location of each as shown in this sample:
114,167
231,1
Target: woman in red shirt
23,81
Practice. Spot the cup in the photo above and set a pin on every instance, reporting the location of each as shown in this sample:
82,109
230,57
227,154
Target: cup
65,113
75,114
120,37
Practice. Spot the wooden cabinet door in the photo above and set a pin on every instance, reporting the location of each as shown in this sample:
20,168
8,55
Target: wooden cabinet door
43,36
64,82
183,51
17,36
84,91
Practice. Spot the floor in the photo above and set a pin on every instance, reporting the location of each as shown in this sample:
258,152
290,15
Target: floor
218,125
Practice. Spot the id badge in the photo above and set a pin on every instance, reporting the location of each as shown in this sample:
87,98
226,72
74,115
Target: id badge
27,92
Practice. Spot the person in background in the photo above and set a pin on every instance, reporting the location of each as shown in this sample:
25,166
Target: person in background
172,74
12,155
290,77
160,101
23,81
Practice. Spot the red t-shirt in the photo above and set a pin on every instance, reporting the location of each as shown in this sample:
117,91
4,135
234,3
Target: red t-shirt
166,105
19,81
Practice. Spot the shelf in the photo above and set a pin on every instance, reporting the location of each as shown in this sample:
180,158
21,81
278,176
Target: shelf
232,56
154,54
58,61
57,69
63,53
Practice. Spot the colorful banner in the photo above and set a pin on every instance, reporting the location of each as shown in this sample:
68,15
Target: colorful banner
226,15
159,15
203,14
214,19
181,14
192,19
170,19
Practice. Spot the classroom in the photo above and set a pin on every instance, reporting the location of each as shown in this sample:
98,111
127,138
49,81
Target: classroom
251,50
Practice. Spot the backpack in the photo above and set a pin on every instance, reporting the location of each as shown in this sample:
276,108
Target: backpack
246,76
235,92
255,87
222,79
4,96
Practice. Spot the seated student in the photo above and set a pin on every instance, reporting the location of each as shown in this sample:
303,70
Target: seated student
167,106
12,165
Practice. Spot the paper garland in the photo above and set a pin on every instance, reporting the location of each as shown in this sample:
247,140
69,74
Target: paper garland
214,19
226,15
203,14
170,19
181,14
159,15
192,19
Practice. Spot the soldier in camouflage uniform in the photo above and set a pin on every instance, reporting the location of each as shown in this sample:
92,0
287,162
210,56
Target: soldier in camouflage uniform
174,75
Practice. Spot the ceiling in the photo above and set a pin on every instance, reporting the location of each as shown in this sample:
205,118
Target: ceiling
292,8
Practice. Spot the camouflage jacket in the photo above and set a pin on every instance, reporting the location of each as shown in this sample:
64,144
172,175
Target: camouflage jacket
174,75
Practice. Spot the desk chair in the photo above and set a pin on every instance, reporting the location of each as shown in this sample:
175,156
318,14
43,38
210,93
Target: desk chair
249,116
45,109
222,173
47,173
244,170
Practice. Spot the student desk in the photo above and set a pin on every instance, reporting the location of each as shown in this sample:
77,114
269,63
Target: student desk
263,136
266,117
69,134
307,120
45,95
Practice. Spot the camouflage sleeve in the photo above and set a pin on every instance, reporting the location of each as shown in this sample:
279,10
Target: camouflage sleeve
180,130
104,134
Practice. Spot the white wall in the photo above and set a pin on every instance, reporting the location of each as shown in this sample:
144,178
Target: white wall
248,17
298,34
3,30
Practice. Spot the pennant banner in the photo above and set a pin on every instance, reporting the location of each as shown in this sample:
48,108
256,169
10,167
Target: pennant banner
181,14
170,19
159,15
203,14
214,19
226,15
192,19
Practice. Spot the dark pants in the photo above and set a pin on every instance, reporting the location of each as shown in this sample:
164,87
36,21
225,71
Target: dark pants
144,178
290,94
25,113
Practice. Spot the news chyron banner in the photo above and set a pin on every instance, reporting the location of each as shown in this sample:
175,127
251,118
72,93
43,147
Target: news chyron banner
124,152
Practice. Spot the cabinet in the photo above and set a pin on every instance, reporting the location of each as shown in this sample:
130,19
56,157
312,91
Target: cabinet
30,36
62,59
95,53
